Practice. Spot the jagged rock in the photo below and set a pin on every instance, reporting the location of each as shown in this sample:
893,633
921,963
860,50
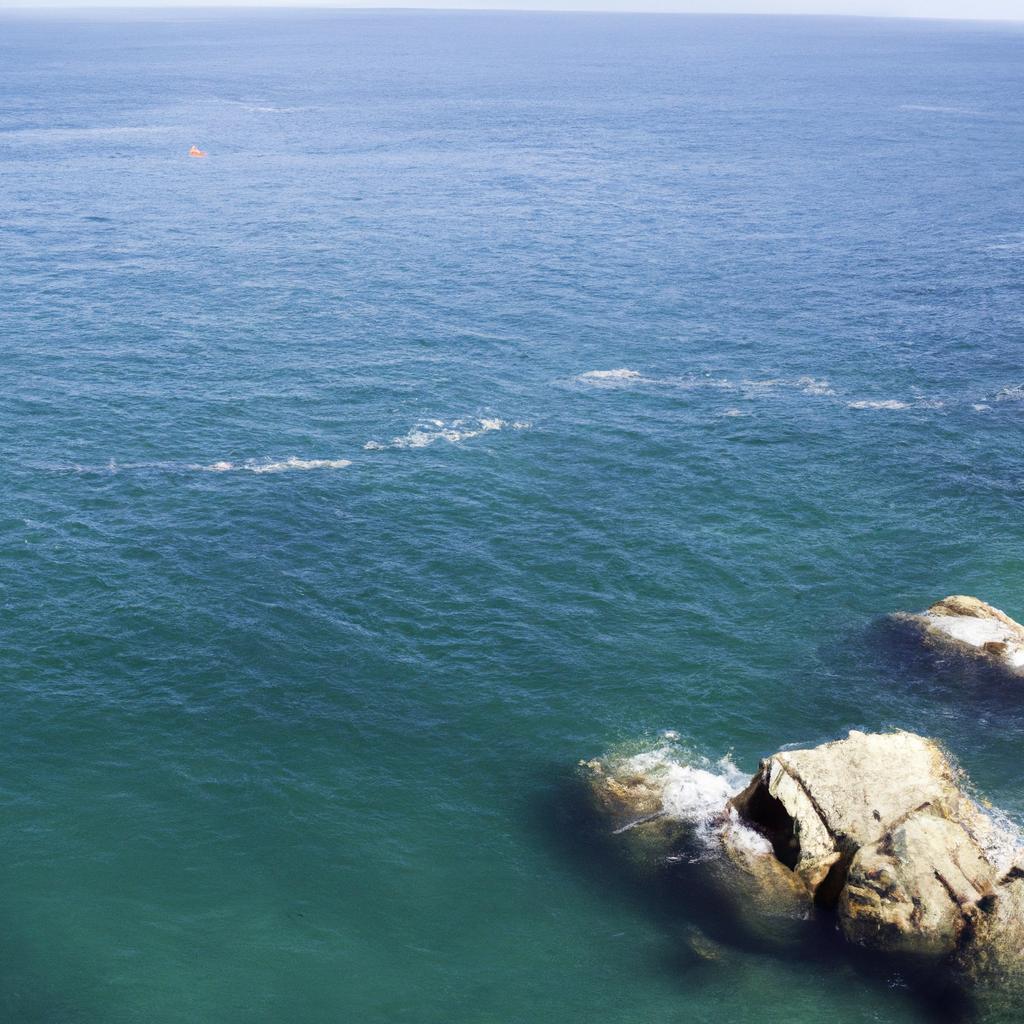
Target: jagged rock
994,949
876,826
622,791
918,889
819,806
751,872
662,804
975,629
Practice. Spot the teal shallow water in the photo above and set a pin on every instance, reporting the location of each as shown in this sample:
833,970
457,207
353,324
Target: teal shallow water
295,742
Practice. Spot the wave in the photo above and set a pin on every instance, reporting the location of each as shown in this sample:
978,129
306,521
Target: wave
274,110
942,110
273,466
266,107
815,387
885,403
609,376
693,789
426,432
84,133
1011,394
748,387
266,465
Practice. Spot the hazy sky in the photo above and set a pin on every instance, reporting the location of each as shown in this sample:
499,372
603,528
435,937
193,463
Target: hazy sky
987,9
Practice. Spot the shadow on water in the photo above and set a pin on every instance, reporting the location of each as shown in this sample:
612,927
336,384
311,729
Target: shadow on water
941,672
29,993
680,894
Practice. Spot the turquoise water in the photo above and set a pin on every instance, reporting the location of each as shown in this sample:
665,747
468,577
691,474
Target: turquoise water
295,741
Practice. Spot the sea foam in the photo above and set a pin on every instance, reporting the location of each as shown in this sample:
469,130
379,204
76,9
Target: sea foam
426,432
694,789
609,376
886,403
272,465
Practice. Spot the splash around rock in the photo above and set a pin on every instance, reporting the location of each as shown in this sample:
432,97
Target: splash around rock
877,829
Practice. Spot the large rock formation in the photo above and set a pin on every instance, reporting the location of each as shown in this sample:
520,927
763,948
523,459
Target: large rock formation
877,828
972,628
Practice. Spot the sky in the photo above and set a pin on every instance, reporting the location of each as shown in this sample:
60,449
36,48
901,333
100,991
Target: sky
972,9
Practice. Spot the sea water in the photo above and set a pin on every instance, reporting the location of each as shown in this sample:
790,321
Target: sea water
500,390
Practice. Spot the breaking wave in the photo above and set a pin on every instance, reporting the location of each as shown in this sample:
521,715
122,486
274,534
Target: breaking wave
929,109
609,376
426,432
694,789
273,466
221,466
886,403
748,388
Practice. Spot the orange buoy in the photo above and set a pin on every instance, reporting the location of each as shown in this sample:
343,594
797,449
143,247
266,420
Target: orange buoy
196,151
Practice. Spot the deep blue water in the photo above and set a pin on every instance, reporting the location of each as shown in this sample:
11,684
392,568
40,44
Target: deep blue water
295,742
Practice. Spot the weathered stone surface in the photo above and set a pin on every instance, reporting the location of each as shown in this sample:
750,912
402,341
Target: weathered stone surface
917,889
877,826
754,875
621,791
974,629
819,806
993,951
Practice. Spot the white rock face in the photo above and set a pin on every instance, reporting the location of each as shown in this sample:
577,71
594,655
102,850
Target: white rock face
976,629
840,796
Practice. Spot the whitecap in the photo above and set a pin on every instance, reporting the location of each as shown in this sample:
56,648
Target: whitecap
887,403
273,466
698,792
814,386
1011,394
693,789
426,432
608,376
928,109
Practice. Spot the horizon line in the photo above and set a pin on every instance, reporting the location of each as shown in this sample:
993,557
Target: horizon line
33,6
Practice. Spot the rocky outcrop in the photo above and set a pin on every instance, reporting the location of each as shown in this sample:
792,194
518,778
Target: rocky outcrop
972,628
876,828
663,807
918,889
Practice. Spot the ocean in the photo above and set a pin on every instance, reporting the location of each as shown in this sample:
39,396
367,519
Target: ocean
500,389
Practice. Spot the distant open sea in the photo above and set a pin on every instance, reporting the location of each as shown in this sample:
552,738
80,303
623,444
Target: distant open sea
501,388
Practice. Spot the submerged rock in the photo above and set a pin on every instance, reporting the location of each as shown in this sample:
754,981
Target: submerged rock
875,827
975,629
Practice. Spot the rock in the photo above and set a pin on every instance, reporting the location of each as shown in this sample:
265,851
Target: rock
993,952
702,946
880,827
751,874
622,792
666,805
974,629
876,827
628,793
819,806
917,889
